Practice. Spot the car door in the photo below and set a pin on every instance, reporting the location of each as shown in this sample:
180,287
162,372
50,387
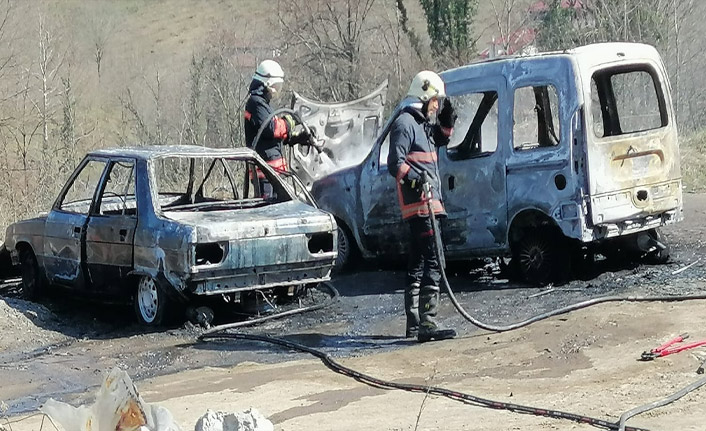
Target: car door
110,230
472,169
346,130
383,231
66,225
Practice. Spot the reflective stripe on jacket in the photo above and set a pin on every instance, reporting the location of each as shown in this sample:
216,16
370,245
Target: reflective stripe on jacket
413,146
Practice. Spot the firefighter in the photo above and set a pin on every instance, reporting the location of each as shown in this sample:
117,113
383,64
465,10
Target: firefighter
412,160
266,82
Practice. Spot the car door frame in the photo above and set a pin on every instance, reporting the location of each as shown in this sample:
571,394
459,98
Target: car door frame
67,245
110,239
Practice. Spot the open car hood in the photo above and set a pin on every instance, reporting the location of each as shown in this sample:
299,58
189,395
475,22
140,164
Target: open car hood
348,131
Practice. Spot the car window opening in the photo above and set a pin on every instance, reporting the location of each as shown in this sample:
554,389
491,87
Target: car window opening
476,130
536,118
213,183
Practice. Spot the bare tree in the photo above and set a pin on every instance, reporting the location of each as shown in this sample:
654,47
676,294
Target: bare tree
49,64
327,37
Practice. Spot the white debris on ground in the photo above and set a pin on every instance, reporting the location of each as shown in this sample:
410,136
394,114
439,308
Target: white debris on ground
249,420
118,407
37,325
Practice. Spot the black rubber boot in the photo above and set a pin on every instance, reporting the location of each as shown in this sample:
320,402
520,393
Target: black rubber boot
411,307
428,305
430,332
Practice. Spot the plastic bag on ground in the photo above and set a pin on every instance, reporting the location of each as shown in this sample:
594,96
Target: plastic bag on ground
118,407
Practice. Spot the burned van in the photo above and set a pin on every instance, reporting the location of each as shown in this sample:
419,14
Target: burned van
553,155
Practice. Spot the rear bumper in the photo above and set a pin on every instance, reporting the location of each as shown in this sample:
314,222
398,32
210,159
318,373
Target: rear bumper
626,227
263,277
637,209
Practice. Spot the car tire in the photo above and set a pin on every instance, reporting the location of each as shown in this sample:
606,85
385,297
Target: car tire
540,257
345,248
151,303
32,285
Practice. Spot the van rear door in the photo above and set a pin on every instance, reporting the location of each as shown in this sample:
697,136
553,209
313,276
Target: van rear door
632,148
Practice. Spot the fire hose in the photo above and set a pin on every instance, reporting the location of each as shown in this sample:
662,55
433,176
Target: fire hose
438,248
219,332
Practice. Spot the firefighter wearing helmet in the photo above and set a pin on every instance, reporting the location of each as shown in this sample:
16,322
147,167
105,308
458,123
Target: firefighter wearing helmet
266,82
412,159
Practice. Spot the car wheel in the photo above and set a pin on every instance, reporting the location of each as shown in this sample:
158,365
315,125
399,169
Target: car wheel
345,249
539,256
31,278
151,304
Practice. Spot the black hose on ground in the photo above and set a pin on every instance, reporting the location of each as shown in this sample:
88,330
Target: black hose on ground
328,287
433,390
438,247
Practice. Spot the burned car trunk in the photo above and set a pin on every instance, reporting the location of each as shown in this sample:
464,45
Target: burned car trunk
171,224
552,154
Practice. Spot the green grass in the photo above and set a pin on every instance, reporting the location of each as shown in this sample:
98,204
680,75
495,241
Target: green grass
693,161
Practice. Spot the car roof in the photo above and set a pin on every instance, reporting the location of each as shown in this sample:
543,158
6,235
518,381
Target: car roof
155,151
588,56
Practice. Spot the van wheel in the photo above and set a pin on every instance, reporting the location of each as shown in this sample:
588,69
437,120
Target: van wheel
661,255
539,256
31,278
151,303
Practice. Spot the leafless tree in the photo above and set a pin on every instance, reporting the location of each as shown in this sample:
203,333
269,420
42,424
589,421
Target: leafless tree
327,37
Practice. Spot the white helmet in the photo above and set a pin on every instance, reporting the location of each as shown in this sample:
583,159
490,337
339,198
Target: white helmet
426,85
270,73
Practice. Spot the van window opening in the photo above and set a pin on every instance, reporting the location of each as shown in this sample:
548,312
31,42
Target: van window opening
626,101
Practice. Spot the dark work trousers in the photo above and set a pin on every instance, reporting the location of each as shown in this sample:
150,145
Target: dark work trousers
266,190
424,267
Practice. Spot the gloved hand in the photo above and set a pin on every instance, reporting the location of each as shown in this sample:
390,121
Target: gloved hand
299,135
291,123
447,115
413,180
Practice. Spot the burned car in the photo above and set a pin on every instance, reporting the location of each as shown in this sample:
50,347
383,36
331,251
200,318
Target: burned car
165,226
553,155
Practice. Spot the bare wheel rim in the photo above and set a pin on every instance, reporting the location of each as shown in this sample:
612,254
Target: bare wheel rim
535,256
147,299
343,248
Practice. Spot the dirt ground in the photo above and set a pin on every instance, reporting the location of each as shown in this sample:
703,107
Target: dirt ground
584,362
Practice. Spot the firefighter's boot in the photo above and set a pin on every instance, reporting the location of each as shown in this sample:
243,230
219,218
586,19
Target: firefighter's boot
428,306
411,307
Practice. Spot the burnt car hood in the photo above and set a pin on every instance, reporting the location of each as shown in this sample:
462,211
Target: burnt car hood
293,217
346,130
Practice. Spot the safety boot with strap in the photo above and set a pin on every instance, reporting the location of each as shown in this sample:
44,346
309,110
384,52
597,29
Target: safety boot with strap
411,307
428,306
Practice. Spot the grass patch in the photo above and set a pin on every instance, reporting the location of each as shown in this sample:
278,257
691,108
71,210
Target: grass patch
693,161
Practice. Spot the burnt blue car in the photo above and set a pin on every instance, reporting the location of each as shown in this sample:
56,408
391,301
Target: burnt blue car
165,226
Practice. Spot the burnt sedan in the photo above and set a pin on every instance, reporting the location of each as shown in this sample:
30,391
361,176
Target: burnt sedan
166,226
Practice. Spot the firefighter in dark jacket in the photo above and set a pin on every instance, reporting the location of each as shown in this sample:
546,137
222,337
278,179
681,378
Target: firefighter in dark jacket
412,160
266,82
